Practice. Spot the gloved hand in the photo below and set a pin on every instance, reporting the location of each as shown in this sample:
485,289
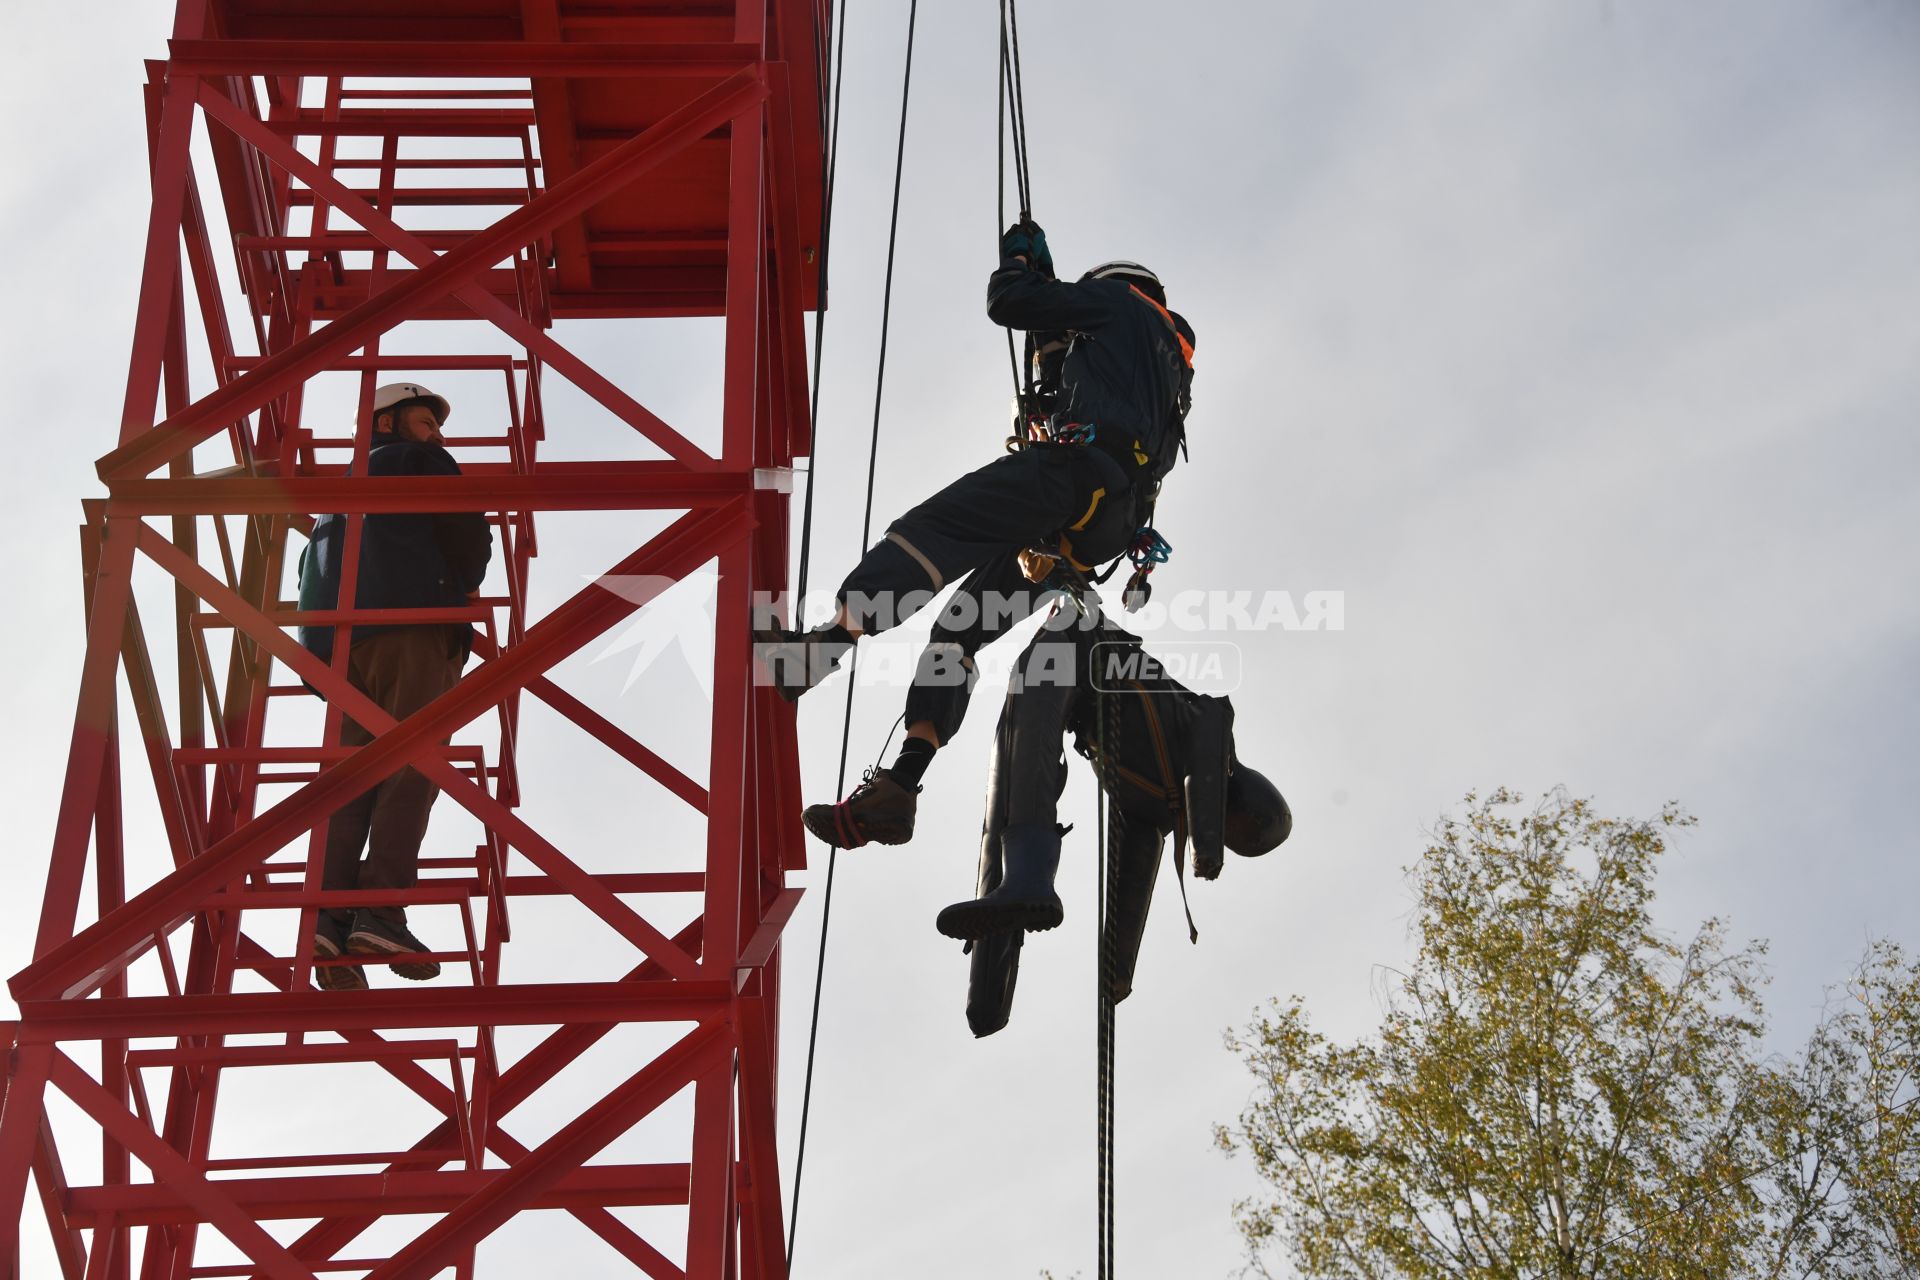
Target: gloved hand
1025,239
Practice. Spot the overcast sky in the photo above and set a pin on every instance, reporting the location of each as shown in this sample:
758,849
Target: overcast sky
1574,343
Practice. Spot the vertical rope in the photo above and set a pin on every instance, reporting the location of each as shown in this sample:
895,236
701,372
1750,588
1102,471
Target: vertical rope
1106,967
838,36
1012,100
866,529
1000,173
830,137
1016,101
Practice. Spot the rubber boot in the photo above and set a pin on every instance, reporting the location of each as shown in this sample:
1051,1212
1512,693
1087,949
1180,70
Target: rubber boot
879,811
798,660
1024,899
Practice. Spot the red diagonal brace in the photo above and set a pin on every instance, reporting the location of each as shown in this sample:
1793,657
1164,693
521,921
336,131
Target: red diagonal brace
283,370
519,1082
51,1176
475,799
617,1234
566,1150
172,1168
86,752
537,341
80,964
618,740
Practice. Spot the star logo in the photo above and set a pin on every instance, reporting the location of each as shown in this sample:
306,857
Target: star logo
675,615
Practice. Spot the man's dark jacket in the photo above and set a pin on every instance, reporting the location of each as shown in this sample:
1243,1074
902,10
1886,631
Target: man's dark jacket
1124,370
412,561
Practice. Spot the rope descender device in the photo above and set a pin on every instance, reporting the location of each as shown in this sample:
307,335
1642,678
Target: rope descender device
1148,551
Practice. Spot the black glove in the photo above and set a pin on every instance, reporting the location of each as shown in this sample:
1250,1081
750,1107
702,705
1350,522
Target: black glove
1025,239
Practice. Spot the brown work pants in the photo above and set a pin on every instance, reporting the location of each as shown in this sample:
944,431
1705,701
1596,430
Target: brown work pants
402,669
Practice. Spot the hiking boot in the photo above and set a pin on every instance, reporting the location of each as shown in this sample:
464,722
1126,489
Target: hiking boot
796,661
1024,899
880,811
373,936
329,937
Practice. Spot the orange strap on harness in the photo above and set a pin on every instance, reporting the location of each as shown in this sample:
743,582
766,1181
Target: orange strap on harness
1186,348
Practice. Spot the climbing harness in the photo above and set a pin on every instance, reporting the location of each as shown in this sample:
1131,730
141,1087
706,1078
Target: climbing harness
1107,764
1034,427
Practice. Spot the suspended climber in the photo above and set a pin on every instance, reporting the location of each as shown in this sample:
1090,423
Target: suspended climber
1101,423
1170,767
1105,429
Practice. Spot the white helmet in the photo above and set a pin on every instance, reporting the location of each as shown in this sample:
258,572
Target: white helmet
1121,269
395,392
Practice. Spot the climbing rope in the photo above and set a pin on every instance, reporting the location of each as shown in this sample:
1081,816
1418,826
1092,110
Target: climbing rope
1105,968
830,132
866,530
1012,110
1012,100
1108,777
828,171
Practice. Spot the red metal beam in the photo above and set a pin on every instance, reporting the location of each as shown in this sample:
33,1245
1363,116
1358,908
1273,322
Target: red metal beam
534,1004
463,58
281,371
548,1164
324,1195
212,1204
552,486
173,135
322,1240
86,752
620,742
83,961
518,1083
475,297
55,1194
759,1019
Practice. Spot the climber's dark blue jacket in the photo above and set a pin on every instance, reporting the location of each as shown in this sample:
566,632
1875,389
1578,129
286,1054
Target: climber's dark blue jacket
1125,371
415,561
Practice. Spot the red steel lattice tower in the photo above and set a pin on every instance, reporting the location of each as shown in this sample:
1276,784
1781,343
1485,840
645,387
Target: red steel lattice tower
382,168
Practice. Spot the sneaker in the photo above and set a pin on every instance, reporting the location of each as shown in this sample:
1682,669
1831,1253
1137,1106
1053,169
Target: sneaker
880,811
373,936
796,661
327,938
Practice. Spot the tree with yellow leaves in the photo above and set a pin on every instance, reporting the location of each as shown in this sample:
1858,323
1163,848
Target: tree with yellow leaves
1558,1089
